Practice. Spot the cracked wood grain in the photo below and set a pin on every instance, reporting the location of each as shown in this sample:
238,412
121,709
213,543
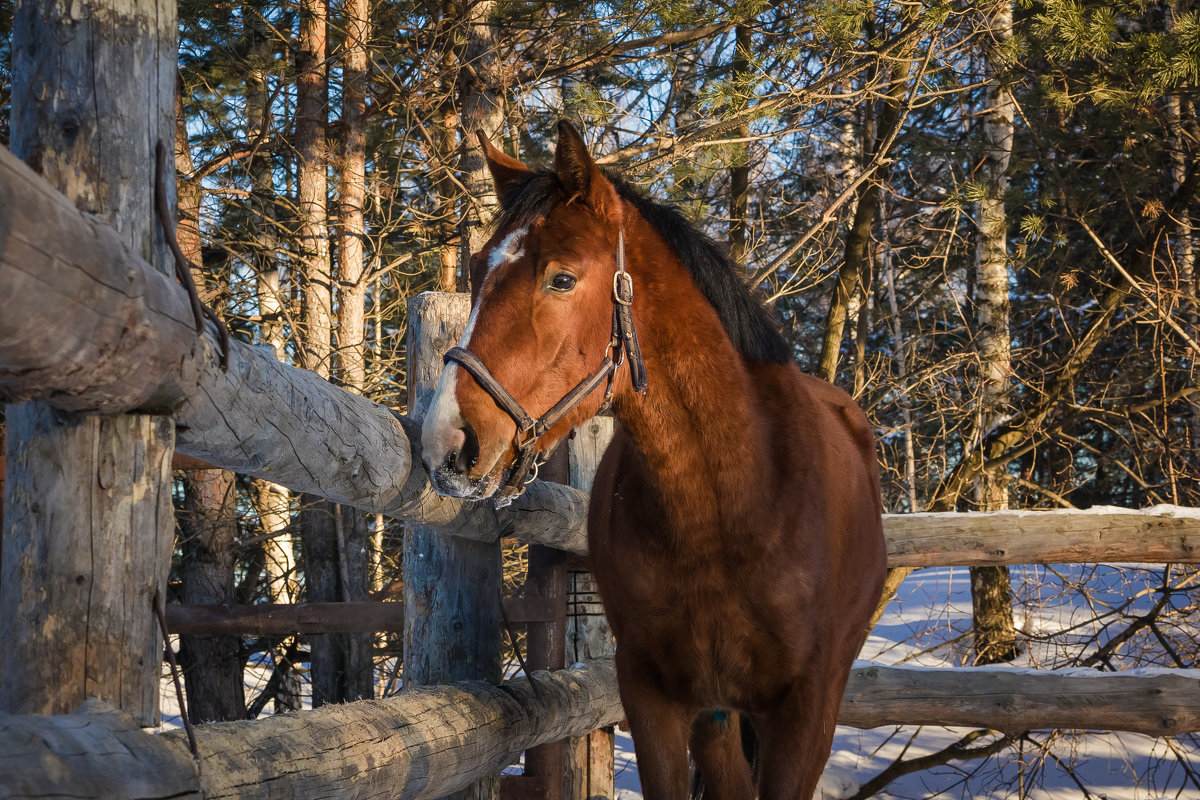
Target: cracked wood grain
432,741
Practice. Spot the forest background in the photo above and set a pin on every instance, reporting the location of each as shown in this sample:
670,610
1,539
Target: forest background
977,218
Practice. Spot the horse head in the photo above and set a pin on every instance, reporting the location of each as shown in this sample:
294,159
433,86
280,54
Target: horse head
544,336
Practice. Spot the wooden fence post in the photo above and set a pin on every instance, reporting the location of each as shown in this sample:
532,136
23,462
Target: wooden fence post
589,759
88,528
451,584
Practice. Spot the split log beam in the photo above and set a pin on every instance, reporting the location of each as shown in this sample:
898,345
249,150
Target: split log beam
277,619
430,742
1156,702
422,744
1101,534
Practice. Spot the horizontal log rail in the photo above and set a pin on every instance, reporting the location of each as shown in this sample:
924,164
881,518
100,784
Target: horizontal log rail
433,741
422,744
101,331
1158,702
1101,534
277,619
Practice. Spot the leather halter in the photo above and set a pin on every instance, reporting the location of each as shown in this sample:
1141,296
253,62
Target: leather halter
623,344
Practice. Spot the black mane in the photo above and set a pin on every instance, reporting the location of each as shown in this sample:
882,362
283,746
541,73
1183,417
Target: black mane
746,321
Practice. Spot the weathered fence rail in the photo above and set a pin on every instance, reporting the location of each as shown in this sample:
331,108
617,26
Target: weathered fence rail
425,743
134,348
429,742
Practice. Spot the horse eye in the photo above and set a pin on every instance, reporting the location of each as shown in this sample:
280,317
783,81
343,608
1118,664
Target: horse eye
562,282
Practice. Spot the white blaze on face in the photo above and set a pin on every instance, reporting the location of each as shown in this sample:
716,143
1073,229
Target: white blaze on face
509,250
442,430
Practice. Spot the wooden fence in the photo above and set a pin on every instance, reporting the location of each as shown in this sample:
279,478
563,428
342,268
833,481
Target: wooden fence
131,348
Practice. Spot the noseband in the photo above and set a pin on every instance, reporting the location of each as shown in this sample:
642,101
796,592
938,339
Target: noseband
622,344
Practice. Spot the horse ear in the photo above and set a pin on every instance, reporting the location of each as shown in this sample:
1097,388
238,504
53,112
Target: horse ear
577,171
506,170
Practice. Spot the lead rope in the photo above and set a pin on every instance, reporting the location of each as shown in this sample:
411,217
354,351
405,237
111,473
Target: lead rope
161,613
183,269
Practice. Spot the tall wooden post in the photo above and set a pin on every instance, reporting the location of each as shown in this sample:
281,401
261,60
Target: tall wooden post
88,527
451,584
589,759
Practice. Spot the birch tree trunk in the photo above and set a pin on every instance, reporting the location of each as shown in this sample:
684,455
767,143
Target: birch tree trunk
991,589
88,526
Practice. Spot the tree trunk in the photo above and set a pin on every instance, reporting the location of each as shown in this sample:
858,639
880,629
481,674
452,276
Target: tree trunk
991,588
739,171
316,340
212,665
88,526
352,233
312,100
1188,285
856,262
354,541
272,502
481,97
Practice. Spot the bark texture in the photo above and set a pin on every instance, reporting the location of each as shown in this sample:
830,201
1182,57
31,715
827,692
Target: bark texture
1155,702
1100,534
212,665
423,744
991,587
427,743
88,527
451,585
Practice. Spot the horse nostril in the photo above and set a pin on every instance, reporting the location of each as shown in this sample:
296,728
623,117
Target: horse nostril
470,449
461,459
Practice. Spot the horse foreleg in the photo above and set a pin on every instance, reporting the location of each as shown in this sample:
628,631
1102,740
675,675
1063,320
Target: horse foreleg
660,733
795,739
720,759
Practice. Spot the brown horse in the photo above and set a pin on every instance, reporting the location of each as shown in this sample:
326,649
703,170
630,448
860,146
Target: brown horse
734,525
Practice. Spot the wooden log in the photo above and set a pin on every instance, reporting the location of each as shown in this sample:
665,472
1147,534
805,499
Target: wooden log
1107,534
430,742
131,346
277,619
590,760
451,584
422,744
96,752
1154,702
88,526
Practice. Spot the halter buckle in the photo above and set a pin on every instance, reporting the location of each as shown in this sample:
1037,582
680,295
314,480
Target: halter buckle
622,281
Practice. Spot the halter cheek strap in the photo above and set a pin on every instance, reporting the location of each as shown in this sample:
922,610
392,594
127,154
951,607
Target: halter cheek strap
623,344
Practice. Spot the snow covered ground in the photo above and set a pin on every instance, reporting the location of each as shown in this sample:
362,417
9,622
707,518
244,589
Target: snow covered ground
927,623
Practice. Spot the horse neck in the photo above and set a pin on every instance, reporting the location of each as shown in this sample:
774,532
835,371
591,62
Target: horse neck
694,427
